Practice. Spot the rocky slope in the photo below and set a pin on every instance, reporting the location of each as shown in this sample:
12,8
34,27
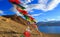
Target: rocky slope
14,26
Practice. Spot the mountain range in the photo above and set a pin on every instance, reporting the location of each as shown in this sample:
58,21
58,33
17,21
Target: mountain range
49,23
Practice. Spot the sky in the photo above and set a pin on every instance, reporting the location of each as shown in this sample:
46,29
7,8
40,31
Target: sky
41,10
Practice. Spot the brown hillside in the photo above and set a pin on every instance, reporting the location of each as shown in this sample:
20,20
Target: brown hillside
14,26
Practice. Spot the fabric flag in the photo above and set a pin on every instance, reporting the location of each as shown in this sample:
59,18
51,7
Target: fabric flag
32,19
22,11
21,6
25,13
26,17
29,18
22,36
27,34
17,2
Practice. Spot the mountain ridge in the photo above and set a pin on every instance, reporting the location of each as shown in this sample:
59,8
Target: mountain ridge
49,23
10,27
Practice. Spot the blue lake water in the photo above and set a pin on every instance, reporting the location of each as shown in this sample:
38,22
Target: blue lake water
50,29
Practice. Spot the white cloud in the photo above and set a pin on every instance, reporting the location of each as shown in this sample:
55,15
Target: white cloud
42,5
14,10
43,1
31,11
51,19
53,4
26,1
17,12
29,0
36,14
1,12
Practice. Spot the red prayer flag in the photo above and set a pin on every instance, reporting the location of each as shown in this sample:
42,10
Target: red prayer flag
27,34
15,1
22,11
31,18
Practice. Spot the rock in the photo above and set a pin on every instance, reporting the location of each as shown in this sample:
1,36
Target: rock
14,26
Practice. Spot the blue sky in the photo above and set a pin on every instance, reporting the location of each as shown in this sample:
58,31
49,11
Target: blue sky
38,14
52,12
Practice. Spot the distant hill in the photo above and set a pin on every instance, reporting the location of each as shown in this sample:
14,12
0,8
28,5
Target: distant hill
49,23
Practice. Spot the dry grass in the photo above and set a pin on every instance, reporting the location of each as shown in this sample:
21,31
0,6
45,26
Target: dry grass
10,28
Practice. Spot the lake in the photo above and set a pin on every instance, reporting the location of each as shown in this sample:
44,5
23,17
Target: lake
50,29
